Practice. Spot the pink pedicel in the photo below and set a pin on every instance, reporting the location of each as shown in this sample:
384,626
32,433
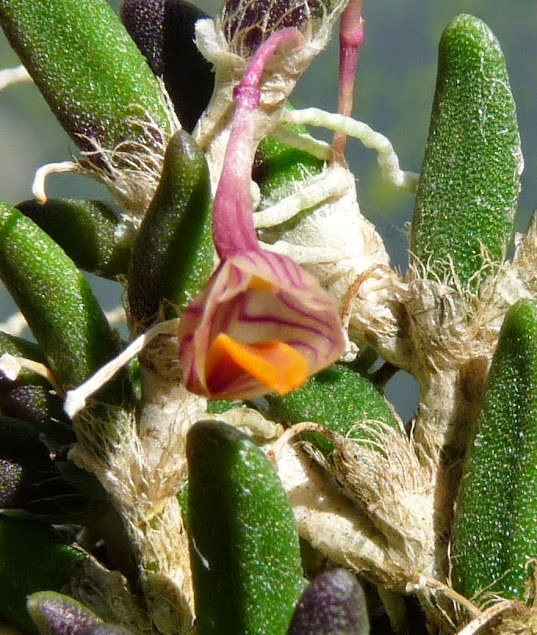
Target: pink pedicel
351,37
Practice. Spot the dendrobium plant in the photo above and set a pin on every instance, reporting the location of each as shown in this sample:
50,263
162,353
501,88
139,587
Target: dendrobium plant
196,478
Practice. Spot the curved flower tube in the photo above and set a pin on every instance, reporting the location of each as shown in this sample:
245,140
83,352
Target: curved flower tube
262,324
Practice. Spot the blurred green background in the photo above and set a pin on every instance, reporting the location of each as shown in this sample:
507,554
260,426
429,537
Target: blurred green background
394,92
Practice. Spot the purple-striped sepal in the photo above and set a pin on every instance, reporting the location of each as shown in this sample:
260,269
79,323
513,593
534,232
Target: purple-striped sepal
262,324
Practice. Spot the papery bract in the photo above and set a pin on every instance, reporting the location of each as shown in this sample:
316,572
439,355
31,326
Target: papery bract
248,23
279,327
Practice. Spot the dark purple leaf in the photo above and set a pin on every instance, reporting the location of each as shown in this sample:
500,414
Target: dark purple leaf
37,404
164,32
11,478
24,461
30,480
105,629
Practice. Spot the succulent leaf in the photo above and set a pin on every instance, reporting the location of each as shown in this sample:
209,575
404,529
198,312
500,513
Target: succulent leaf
173,255
55,299
470,179
57,614
32,558
90,233
244,545
495,534
97,84
164,32
338,398
29,396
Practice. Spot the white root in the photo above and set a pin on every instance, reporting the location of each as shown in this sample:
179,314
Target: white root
75,400
38,185
387,158
12,76
485,617
12,365
319,149
328,185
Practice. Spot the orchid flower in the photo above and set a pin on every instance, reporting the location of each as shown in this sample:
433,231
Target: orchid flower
262,324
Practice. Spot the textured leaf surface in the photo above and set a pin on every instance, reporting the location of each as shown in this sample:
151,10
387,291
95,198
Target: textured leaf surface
333,603
174,253
470,179
88,231
244,543
495,536
32,558
91,73
338,398
54,297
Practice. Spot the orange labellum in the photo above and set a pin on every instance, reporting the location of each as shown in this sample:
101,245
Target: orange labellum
274,364
258,284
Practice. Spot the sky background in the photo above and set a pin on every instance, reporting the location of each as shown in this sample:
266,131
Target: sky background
394,92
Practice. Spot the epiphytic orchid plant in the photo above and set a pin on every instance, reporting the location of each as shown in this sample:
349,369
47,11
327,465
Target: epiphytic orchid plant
196,478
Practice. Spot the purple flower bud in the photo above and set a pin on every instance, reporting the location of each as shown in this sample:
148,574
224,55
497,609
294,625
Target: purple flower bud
249,23
333,603
57,614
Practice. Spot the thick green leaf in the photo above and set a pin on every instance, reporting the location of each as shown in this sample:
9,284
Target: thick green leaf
174,253
470,178
338,398
495,530
56,300
244,543
91,73
32,558
89,232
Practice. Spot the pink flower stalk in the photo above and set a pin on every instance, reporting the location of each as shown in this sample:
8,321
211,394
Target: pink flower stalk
262,324
351,37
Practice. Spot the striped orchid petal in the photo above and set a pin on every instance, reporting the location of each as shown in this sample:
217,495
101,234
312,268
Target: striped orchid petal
262,324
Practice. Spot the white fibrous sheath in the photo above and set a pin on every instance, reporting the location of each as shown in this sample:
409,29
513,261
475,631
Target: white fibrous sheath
333,240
